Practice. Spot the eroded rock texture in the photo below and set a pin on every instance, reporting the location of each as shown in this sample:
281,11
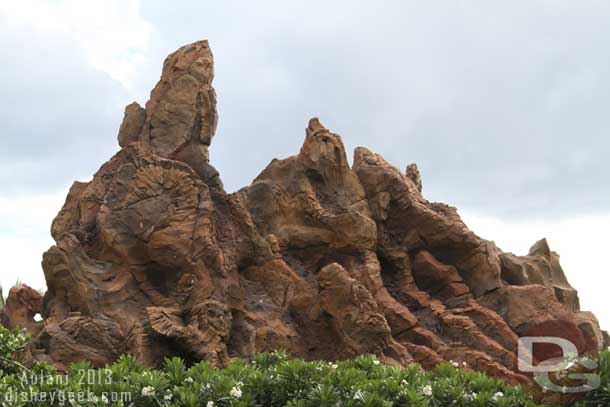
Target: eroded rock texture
154,258
21,307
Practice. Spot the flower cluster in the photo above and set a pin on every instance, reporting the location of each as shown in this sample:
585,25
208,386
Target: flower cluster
235,393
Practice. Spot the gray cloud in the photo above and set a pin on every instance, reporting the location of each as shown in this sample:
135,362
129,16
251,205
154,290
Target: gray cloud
504,105
59,117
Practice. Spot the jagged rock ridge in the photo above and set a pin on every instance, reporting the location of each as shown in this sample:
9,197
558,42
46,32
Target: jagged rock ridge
154,258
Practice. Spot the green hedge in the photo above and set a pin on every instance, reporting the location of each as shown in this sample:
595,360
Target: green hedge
268,380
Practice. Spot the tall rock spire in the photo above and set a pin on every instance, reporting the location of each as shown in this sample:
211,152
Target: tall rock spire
180,118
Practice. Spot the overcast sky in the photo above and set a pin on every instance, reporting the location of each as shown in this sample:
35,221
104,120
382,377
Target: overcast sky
504,105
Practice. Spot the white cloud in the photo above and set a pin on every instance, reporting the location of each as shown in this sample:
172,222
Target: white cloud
25,225
21,257
111,32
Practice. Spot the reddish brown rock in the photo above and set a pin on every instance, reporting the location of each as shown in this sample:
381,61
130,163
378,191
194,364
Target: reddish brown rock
181,113
540,266
421,224
438,279
355,314
414,175
20,308
132,124
524,307
154,258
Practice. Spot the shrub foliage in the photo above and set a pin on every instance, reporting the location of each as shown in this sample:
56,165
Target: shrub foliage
269,380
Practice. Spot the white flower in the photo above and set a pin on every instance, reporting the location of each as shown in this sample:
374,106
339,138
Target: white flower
189,380
359,395
470,396
148,391
168,397
403,382
235,392
497,396
333,366
376,362
210,404
455,364
427,390
464,364
105,399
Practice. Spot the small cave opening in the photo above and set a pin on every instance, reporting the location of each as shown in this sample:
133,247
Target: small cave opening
163,279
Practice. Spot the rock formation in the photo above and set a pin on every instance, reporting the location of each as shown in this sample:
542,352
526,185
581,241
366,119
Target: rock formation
154,258
22,305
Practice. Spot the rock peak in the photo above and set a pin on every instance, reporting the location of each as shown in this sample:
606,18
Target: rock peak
314,126
323,149
413,174
180,118
541,247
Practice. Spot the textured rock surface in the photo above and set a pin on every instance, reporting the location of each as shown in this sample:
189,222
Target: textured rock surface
22,305
154,258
